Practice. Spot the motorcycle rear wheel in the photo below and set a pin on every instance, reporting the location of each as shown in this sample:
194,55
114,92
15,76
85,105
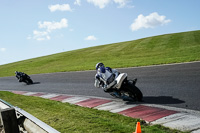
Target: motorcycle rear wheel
135,92
28,81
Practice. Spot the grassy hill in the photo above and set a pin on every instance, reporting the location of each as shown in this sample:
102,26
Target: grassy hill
163,49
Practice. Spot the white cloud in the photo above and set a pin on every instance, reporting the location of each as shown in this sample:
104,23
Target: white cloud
77,2
151,21
53,25
2,49
103,3
121,3
48,28
100,3
90,38
64,7
41,35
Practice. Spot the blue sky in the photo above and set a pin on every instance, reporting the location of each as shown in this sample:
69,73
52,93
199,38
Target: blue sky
34,28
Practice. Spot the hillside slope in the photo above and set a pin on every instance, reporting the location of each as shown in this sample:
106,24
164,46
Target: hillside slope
163,49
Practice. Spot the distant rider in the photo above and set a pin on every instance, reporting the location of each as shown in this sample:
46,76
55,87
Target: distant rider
20,75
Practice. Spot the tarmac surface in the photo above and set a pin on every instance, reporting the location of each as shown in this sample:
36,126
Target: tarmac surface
175,85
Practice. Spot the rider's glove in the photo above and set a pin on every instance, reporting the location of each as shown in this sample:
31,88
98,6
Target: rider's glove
97,77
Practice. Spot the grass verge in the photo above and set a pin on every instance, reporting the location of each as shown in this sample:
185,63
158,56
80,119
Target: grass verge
68,118
163,49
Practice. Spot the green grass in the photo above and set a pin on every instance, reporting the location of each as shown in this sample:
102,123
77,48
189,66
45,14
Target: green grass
163,49
68,118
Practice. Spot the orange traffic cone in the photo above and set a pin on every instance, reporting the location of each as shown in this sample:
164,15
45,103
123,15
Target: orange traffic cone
138,128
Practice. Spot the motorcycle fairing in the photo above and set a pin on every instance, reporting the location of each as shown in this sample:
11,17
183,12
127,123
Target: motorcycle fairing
120,80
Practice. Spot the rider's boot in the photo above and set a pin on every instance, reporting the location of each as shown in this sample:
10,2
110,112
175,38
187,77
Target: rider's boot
116,94
126,98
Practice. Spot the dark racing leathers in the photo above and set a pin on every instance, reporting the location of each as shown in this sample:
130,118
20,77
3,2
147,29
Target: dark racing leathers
20,76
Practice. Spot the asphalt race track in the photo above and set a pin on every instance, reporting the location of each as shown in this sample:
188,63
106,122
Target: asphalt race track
176,85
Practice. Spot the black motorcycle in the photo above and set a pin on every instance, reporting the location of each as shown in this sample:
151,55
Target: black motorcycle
23,77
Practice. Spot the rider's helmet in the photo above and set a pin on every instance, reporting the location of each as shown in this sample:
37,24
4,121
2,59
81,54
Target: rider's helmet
98,65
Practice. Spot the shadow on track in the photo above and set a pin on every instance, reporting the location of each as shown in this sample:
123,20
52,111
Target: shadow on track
36,83
162,100
32,83
159,100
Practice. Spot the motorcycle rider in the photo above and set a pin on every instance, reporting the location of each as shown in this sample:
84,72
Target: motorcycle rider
20,75
105,78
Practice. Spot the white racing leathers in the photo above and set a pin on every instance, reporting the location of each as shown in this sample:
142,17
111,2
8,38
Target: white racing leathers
105,78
